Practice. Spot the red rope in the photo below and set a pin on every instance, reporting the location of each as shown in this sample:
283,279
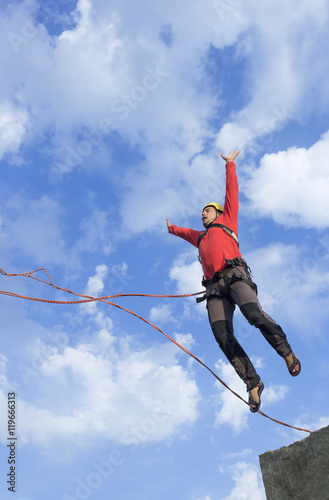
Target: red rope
87,298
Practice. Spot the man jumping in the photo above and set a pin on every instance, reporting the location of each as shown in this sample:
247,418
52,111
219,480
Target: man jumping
228,283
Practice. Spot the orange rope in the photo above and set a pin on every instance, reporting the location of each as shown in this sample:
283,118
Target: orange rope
87,298
30,274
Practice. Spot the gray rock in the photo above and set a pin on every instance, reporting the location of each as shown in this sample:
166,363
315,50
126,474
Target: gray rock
299,471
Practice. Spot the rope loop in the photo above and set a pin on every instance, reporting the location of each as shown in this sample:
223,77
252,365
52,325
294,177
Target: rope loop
87,298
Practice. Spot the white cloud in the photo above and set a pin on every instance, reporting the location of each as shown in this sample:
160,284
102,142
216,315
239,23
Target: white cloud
94,287
233,136
312,425
248,483
239,454
14,122
96,283
109,387
138,395
274,394
37,227
195,182
95,232
110,73
277,52
34,226
3,365
258,362
187,272
102,69
121,269
233,411
162,314
277,86
291,279
292,186
185,339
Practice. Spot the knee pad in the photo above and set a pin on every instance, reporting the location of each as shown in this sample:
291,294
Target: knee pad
253,314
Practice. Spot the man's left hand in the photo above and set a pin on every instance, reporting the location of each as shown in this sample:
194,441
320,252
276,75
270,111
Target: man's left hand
231,156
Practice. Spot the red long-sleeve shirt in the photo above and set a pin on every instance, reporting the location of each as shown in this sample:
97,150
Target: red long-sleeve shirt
217,245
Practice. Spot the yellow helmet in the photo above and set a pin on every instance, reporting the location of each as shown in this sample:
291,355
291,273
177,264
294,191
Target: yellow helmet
217,206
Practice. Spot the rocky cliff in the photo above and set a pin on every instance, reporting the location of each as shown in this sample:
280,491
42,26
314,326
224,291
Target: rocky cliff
299,471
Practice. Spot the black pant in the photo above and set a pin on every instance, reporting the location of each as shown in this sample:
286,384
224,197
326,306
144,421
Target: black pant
221,301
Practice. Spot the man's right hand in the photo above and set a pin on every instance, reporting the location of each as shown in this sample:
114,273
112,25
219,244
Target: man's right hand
168,223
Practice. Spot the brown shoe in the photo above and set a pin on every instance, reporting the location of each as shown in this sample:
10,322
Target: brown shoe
254,406
295,364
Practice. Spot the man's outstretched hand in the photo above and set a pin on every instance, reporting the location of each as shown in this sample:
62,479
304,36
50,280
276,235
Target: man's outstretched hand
231,156
168,223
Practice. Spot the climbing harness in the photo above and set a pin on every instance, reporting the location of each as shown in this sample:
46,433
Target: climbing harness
227,230
87,298
233,278
221,226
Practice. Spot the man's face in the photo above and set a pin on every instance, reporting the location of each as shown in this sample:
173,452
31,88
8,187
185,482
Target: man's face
209,214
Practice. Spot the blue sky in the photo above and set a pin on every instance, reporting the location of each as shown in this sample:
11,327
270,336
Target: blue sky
113,116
